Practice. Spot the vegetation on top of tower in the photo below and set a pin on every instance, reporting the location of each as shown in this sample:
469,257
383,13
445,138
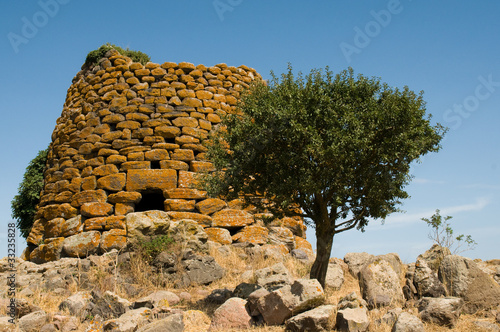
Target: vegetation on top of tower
94,56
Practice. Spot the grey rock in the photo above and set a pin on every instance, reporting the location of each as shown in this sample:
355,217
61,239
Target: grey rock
281,235
190,233
353,320
48,328
426,281
23,307
280,304
244,289
318,319
486,326
33,322
76,304
390,317
408,323
253,299
201,270
232,314
173,323
380,284
157,299
144,226
300,254
129,321
273,276
107,305
334,275
356,261
219,296
5,325
352,301
434,256
440,311
462,278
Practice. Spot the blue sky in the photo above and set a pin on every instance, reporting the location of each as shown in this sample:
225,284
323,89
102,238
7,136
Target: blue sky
449,49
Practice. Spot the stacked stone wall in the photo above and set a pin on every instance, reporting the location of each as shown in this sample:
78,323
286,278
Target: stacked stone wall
130,139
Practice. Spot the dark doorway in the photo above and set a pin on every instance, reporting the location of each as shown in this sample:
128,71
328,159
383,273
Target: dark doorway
151,200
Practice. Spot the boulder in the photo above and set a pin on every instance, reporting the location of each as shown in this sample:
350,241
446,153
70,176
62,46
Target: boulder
77,303
280,304
334,275
219,235
380,284
352,301
253,300
143,226
462,278
33,322
274,276
129,321
157,299
281,235
318,319
190,233
173,323
353,320
482,325
356,260
244,289
107,305
408,323
219,296
195,320
201,270
82,244
434,256
426,281
440,311
232,314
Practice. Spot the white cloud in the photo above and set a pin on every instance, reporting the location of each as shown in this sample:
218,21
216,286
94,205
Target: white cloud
400,219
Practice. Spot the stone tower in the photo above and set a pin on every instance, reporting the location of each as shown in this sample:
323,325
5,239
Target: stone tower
129,139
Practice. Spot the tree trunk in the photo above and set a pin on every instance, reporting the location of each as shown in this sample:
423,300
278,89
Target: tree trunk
324,242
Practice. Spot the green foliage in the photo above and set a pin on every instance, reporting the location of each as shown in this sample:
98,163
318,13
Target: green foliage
337,146
24,203
94,56
442,234
151,249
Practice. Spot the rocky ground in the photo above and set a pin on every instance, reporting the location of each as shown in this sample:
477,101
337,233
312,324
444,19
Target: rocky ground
241,287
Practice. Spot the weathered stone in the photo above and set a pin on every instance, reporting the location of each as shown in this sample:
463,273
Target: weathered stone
462,278
201,219
61,227
96,209
82,244
33,322
188,180
315,320
113,239
76,303
184,193
231,218
201,166
440,311
219,235
356,261
252,234
129,321
282,303
281,235
173,323
232,314
149,179
210,205
434,256
65,211
200,270
157,299
179,205
296,225
125,197
142,226
301,243
353,320
274,276
334,275
426,281
406,322
113,182
89,196
379,284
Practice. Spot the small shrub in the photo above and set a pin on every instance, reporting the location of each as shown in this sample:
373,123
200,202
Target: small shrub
151,249
94,56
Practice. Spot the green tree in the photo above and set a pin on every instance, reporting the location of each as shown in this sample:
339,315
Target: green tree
24,203
442,234
337,147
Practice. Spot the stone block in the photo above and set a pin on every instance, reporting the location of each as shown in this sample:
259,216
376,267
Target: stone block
201,219
96,209
201,166
219,235
183,155
82,244
150,179
184,193
113,182
210,205
179,205
59,227
174,164
252,234
113,239
232,218
64,210
125,197
188,180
